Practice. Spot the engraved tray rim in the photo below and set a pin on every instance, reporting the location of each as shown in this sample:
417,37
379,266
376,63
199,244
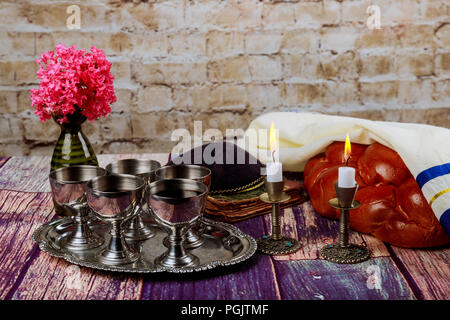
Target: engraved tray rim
44,246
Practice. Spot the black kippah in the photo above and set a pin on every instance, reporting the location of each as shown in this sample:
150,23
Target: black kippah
233,169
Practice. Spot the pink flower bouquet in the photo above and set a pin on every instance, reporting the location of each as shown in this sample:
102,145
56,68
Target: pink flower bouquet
73,80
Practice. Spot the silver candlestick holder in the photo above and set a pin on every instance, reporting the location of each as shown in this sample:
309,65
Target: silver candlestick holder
276,243
343,251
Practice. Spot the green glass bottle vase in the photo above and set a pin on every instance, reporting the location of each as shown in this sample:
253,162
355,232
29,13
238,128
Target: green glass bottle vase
73,147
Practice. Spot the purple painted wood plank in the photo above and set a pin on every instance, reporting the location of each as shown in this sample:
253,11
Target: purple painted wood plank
20,214
55,279
427,269
320,279
253,279
29,174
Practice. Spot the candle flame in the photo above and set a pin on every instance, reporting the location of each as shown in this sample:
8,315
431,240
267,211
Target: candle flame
272,138
347,149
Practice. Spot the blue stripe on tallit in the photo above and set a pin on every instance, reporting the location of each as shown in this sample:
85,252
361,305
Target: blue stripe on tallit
445,221
431,173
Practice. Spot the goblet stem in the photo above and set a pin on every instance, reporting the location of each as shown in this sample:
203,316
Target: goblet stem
176,248
343,229
82,238
176,255
117,251
193,237
117,243
136,229
82,230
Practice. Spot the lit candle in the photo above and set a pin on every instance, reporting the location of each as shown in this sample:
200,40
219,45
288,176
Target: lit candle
274,172
346,175
274,169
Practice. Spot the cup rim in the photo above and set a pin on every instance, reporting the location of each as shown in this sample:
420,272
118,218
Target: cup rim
191,181
106,193
109,166
53,173
184,165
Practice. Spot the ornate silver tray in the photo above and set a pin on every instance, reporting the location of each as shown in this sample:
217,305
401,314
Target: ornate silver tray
224,245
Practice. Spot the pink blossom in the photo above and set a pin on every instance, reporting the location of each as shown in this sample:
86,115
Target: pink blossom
73,79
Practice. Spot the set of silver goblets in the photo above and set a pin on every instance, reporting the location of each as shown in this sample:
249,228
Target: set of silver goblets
123,194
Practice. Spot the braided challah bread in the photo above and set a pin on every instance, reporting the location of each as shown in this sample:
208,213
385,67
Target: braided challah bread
393,208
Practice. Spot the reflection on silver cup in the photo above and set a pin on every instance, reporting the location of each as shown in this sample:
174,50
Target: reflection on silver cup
185,171
136,229
193,172
177,205
114,199
68,187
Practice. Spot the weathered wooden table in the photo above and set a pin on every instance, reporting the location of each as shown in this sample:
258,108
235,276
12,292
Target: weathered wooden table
28,273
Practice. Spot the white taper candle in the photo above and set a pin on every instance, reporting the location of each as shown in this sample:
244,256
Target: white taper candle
274,171
346,177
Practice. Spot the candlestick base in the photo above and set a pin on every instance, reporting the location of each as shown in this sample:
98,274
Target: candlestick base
344,252
276,244
353,253
282,246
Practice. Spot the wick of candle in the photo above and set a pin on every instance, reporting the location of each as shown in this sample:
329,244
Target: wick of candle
346,162
273,155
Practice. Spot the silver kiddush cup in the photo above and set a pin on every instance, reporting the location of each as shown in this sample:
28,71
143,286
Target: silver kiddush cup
193,172
136,229
177,205
114,199
68,187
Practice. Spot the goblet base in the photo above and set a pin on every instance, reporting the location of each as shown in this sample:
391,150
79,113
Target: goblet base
193,240
81,238
170,261
111,257
282,246
352,253
81,244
